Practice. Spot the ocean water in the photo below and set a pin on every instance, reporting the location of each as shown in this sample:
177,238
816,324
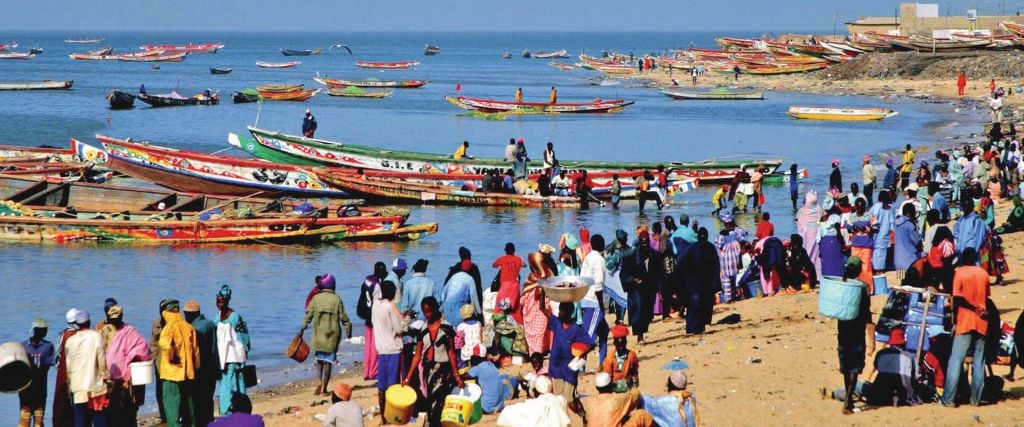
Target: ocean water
270,282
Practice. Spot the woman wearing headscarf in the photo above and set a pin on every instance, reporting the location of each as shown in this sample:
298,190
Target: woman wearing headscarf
830,240
179,355
613,257
368,294
435,354
233,347
861,243
728,245
460,290
1014,221
807,219
535,322
907,244
327,313
638,268
882,219
702,281
125,346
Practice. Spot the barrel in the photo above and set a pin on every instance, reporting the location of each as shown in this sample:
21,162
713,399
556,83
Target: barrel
838,299
15,369
142,372
398,403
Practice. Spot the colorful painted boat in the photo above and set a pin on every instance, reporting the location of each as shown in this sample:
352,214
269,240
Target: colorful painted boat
561,66
280,88
93,40
719,93
65,171
299,96
260,151
780,177
841,114
174,99
786,69
495,106
291,64
361,156
401,65
371,82
205,173
17,55
15,153
194,48
41,85
300,52
356,92
400,191
149,57
549,55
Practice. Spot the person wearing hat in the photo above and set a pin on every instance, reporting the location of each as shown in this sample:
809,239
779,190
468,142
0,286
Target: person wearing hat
624,366
179,356
678,407
41,356
835,179
87,373
106,330
308,124
720,199
495,387
869,177
398,270
856,337
471,333
889,182
233,346
208,371
419,286
63,414
608,408
343,411
125,346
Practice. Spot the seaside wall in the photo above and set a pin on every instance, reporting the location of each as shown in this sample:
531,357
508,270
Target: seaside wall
919,19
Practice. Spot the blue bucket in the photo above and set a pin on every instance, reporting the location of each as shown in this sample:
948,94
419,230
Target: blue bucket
753,289
881,285
838,299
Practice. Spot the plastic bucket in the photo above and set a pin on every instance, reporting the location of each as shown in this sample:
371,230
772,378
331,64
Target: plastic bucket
142,372
398,404
754,289
457,412
838,299
881,285
472,392
15,370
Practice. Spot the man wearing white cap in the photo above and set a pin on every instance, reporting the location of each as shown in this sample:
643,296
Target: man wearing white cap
41,356
398,269
62,412
309,124
608,408
87,373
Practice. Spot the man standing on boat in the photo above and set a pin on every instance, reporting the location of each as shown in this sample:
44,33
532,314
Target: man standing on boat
309,124
554,95
735,72
519,95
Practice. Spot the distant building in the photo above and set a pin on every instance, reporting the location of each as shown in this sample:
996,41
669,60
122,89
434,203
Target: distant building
924,19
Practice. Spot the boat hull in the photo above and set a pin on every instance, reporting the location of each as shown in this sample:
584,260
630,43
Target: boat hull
41,85
712,96
493,106
840,114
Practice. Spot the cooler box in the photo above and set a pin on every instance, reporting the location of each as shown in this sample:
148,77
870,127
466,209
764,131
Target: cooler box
881,285
937,306
913,334
915,317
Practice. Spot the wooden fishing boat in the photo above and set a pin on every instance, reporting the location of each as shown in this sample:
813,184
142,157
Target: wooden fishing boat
36,50
927,44
88,57
401,65
496,106
92,40
299,96
355,92
371,82
205,173
104,51
15,153
549,55
782,177
120,100
527,54
431,50
787,69
734,43
9,46
719,93
194,48
280,88
245,96
840,114
1005,41
65,171
561,66
149,57
260,151
17,55
808,49
367,158
300,52
220,70
400,191
174,99
277,64
506,55
41,85
1013,27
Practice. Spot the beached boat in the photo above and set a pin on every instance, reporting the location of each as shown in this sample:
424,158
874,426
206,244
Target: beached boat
785,69
148,56
245,96
840,114
561,66
548,55
927,44
120,100
80,41
401,191
781,177
194,48
401,65
734,43
220,70
16,153
291,64
299,96
719,93
17,55
72,171
371,82
300,52
206,173
355,92
431,50
260,151
41,85
280,88
361,156
496,106
174,99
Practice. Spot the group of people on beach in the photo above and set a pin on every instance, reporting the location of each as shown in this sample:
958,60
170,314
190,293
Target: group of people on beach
199,364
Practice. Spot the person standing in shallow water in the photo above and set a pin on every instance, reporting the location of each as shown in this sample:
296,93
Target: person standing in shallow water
233,348
308,124
41,356
326,312
794,186
209,361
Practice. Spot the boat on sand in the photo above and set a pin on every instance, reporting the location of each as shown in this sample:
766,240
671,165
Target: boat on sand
841,113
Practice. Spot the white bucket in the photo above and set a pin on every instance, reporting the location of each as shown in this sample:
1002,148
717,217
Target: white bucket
142,372
517,360
15,370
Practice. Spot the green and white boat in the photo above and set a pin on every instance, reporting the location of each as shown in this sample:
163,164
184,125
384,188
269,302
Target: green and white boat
718,93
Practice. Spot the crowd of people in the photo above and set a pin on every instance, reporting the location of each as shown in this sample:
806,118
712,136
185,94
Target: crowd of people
199,365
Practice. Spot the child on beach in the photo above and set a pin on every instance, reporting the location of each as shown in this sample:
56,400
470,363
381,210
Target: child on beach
720,199
469,333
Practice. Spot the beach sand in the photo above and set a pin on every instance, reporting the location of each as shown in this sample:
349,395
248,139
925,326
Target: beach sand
770,367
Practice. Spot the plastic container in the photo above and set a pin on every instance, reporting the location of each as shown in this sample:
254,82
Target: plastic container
913,334
881,285
937,306
566,288
472,392
915,317
838,299
753,289
15,370
398,404
457,411
143,373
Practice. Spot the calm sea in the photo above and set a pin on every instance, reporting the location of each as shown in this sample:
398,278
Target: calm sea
270,282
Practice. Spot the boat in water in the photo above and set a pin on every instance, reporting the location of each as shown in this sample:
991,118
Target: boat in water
193,48
41,85
173,99
120,100
17,55
431,50
371,82
83,41
298,96
366,157
220,70
548,55
401,65
511,107
245,96
401,191
300,52
356,92
280,87
291,64
841,114
149,56
719,93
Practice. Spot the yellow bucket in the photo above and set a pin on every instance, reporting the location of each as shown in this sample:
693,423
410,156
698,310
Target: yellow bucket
457,411
398,404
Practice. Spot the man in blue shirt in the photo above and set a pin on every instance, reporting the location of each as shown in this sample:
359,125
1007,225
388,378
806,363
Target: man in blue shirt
418,287
41,357
495,387
565,334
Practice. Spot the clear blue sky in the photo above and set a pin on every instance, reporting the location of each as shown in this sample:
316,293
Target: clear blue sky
74,16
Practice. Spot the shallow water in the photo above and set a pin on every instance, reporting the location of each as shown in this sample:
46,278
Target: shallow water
270,282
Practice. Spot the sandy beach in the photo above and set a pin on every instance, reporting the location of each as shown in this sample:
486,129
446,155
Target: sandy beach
769,368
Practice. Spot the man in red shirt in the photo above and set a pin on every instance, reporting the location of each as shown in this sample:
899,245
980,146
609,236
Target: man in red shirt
509,265
765,228
970,289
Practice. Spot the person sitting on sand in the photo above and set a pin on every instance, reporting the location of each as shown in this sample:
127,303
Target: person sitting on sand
624,367
527,380
343,411
608,408
896,378
545,410
241,414
495,387
676,408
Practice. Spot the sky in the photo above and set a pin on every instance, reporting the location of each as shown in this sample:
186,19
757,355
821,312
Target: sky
75,16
